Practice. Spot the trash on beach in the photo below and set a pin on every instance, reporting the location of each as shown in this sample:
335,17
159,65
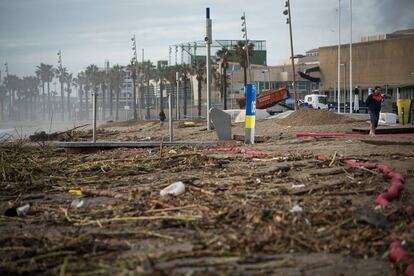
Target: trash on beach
76,192
175,189
77,203
23,210
296,209
294,186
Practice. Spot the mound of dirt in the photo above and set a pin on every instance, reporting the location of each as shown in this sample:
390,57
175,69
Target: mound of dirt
314,117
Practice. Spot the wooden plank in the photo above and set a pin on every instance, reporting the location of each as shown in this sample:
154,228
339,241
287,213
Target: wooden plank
257,139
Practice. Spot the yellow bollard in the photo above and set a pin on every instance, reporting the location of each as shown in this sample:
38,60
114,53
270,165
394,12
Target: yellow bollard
403,106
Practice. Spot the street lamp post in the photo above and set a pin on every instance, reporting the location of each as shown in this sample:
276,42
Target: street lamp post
289,21
135,76
208,39
350,59
339,56
246,44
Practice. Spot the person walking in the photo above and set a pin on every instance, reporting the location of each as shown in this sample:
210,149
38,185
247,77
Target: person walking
162,117
373,103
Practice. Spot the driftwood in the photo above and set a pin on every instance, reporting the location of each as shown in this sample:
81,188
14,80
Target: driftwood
62,135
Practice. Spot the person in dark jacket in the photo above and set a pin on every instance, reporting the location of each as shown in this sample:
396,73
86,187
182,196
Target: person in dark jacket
162,117
373,103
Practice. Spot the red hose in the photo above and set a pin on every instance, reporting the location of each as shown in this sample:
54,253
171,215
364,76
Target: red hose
312,134
397,253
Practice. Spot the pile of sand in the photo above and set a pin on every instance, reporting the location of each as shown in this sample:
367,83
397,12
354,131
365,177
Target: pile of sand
314,117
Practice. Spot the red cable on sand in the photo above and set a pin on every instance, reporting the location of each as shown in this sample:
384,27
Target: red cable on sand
397,251
313,134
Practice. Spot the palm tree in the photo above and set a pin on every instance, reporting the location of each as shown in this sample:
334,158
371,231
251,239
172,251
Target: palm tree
149,73
92,80
12,85
160,76
223,54
116,82
69,82
199,71
61,73
45,73
3,97
240,52
80,82
132,68
184,71
102,79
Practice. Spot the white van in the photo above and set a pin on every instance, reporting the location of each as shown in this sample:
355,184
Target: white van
317,101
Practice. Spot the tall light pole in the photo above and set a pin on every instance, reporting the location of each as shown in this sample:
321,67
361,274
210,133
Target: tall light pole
208,39
339,56
246,44
350,59
135,76
289,21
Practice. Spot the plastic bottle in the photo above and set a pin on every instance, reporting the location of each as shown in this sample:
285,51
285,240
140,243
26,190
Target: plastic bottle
175,189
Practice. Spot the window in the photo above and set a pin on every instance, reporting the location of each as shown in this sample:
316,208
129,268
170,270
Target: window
322,100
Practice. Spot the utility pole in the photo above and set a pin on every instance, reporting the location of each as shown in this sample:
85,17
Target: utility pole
350,60
208,39
134,76
339,56
177,96
246,44
292,56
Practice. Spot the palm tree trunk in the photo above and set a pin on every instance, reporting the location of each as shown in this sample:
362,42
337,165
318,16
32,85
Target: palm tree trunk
49,103
117,104
161,96
199,96
81,102
68,103
103,87
134,100
10,104
62,100
2,110
185,97
43,101
148,100
110,102
86,105
142,97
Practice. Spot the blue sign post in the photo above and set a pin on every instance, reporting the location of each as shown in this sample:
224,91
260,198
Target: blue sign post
250,91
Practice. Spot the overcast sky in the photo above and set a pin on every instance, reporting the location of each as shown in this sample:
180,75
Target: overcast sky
92,31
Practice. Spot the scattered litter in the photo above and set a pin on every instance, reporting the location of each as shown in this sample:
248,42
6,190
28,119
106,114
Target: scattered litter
189,124
77,203
76,192
23,210
152,152
172,152
258,180
175,189
294,186
296,209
